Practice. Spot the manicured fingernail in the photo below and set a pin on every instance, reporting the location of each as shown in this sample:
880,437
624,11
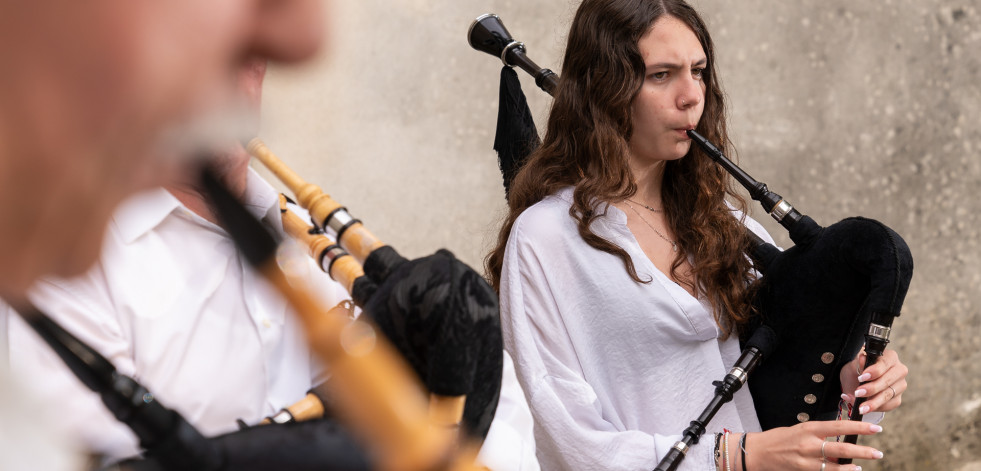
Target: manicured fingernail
876,428
860,393
863,410
844,397
865,377
858,468
877,454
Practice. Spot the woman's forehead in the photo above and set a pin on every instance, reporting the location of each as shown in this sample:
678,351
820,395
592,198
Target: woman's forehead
670,41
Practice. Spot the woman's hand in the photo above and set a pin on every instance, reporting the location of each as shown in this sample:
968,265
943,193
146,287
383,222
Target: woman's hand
803,447
882,384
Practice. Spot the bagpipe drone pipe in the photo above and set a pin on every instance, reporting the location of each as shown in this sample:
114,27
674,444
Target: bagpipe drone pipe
838,287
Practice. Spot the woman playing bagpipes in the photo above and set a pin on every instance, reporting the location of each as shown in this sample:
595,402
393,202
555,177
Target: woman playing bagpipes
622,263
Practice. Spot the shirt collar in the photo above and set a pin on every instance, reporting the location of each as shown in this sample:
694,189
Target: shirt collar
147,210
262,200
143,212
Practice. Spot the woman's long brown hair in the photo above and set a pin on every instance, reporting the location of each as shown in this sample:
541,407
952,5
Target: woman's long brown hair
585,146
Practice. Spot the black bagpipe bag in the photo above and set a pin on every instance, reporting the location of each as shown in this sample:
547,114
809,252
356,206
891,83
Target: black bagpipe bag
445,320
820,296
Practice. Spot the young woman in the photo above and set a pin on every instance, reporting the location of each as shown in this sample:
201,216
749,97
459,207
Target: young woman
622,269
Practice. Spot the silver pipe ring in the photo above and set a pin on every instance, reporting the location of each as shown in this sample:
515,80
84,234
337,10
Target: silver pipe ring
511,45
893,393
824,457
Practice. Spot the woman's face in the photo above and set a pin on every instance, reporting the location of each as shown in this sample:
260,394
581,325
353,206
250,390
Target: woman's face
672,97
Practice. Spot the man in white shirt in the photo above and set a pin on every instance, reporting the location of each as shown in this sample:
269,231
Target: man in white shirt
172,304
85,91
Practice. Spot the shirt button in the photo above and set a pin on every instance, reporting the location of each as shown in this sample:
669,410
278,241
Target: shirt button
810,399
827,358
803,417
818,378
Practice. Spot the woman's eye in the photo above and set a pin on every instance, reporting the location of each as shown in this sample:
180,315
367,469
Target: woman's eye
659,75
697,73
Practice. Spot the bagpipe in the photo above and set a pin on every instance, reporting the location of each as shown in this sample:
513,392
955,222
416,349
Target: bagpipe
437,311
837,288
439,321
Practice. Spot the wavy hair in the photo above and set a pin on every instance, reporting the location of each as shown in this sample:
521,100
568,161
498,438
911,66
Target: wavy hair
585,146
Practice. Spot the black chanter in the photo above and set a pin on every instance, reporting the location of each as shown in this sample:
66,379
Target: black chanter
837,288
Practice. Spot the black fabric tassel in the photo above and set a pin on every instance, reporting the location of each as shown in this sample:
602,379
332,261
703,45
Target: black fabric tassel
517,135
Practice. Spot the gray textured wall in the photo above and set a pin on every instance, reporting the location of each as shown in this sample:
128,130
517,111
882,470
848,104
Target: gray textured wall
846,108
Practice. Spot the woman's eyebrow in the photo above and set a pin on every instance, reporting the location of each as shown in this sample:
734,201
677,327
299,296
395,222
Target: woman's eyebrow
674,66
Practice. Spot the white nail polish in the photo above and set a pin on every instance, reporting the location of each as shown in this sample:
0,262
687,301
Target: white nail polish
863,410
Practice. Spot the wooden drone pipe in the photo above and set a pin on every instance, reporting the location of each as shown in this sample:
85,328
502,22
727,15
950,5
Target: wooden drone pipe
326,212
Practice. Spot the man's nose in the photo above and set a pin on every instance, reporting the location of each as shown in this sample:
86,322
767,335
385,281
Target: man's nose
288,30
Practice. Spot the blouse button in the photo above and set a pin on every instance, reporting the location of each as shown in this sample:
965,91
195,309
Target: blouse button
828,358
810,399
803,417
818,378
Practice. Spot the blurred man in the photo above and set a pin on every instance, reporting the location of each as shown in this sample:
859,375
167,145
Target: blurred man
86,89
171,303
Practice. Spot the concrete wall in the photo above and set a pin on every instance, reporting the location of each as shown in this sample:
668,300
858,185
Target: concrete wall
846,108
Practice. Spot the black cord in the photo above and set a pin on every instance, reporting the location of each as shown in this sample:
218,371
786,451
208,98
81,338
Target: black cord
742,450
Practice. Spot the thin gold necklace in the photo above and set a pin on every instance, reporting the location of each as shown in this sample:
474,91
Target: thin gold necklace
674,245
653,210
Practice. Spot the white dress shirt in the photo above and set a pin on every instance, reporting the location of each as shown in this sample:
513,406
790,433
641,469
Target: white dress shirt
614,370
172,303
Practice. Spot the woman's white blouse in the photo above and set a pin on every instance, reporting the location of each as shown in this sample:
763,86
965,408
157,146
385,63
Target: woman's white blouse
613,369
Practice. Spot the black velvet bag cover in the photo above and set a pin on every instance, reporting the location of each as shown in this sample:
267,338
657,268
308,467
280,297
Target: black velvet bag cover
445,320
819,297
516,135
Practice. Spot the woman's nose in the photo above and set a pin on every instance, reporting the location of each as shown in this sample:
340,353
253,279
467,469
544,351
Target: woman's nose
690,92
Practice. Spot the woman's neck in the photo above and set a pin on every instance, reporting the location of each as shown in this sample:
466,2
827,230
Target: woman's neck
648,176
